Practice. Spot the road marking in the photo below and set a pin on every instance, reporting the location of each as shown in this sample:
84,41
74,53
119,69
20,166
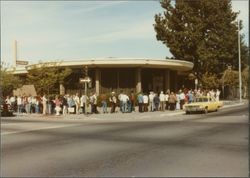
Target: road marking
8,124
44,128
172,114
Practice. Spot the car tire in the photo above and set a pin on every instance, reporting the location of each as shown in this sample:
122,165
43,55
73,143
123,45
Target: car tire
187,112
205,110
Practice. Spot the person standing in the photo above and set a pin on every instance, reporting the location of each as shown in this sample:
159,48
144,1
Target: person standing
77,103
24,104
140,102
44,101
93,102
132,101
83,103
120,99
7,100
217,95
156,101
166,99
19,104
13,102
151,101
33,104
162,101
112,100
145,102
177,106
104,103
29,104
172,101
37,102
124,99
182,99
57,105
65,104
71,104
190,96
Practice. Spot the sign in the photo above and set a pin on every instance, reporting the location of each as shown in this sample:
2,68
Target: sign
85,80
22,62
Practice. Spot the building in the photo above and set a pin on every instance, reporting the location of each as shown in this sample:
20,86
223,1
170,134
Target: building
115,74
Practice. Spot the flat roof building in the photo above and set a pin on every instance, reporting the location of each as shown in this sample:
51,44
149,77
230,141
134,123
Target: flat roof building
115,74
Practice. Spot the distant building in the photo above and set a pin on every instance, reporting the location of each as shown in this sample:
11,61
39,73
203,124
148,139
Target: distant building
115,74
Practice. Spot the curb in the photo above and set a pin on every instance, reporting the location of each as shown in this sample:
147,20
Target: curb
114,117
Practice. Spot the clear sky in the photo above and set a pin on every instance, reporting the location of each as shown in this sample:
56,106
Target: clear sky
67,30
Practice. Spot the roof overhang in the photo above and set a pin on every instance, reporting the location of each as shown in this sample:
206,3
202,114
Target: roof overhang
170,64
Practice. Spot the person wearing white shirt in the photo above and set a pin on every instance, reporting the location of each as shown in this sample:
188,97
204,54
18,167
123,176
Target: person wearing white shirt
208,96
145,102
124,99
177,106
13,102
182,99
19,104
217,95
162,101
7,100
77,102
212,95
83,103
151,101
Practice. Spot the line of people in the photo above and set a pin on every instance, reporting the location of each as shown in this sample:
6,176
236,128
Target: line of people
75,104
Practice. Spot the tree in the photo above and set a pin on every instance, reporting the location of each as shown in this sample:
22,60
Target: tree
209,80
230,78
8,81
46,76
203,32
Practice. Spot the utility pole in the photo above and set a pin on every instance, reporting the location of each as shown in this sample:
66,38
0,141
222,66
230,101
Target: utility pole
240,81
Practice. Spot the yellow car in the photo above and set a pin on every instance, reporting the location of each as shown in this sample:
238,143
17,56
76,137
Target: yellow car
203,104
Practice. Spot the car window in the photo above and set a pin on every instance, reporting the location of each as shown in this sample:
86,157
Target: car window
201,99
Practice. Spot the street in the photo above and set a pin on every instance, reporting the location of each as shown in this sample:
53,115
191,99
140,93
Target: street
154,144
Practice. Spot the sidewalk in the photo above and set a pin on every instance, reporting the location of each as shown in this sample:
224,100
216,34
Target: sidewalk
120,116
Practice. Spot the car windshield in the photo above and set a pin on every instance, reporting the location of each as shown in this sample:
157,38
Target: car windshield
201,99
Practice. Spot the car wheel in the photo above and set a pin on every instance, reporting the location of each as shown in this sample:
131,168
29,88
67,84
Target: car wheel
205,110
187,112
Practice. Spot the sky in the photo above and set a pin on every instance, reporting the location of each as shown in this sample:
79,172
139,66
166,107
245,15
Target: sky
75,30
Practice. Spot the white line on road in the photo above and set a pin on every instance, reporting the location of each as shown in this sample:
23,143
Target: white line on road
44,128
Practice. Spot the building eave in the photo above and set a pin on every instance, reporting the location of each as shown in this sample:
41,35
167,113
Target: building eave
124,63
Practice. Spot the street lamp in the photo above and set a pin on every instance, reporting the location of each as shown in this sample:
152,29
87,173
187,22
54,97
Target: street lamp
240,82
85,80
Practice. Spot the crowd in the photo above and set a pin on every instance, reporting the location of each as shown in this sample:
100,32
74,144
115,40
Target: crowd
122,102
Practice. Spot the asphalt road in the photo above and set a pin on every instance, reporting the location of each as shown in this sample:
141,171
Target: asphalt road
211,145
